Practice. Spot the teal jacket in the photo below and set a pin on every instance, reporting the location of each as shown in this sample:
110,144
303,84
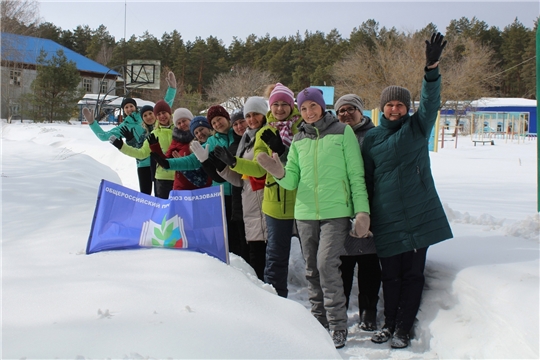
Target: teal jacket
325,166
133,122
406,212
191,162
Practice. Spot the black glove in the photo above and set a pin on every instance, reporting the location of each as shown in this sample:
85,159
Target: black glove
225,155
128,134
116,142
434,48
152,139
273,140
164,163
218,164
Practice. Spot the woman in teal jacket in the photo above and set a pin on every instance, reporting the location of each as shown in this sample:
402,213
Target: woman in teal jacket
161,134
135,130
325,166
407,215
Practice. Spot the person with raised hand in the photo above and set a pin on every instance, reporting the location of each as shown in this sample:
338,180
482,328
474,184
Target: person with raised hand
325,166
162,136
135,127
406,213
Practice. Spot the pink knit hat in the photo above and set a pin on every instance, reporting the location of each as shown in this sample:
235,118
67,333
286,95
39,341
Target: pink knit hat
281,93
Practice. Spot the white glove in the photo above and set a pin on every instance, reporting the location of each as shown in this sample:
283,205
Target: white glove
271,164
171,79
200,153
361,225
88,115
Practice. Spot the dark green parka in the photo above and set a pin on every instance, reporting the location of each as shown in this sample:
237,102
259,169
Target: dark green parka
406,212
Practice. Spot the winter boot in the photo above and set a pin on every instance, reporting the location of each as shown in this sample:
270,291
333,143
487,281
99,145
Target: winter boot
368,320
400,339
383,335
340,338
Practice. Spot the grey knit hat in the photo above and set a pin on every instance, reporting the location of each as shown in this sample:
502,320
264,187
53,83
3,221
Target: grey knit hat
350,99
396,93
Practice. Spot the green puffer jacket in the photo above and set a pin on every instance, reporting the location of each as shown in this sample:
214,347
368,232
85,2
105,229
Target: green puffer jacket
325,165
277,201
406,212
164,135
132,122
191,162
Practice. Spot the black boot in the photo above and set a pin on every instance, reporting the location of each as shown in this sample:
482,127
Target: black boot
383,335
368,320
400,339
340,338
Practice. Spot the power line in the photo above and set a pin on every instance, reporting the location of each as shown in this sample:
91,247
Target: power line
521,63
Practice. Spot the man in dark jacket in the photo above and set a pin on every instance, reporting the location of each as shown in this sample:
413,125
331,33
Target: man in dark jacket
406,213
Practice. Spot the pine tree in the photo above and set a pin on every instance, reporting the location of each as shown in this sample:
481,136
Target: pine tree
54,93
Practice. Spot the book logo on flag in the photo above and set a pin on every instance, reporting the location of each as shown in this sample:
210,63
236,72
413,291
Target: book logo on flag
170,233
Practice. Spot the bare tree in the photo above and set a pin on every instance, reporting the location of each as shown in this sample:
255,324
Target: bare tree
467,66
239,84
19,16
472,74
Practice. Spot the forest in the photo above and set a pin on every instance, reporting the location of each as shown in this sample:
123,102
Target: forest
479,61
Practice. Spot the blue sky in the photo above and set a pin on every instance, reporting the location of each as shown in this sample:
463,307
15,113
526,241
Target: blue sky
224,20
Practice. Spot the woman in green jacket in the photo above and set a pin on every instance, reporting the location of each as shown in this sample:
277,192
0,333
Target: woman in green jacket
325,166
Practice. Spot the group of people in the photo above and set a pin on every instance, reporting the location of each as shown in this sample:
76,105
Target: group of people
355,194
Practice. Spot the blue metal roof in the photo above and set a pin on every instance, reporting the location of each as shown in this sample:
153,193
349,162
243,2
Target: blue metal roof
26,49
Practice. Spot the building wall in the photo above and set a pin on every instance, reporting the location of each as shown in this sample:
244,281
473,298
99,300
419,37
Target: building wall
12,90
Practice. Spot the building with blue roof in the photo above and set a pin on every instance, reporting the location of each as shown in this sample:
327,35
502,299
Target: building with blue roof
19,64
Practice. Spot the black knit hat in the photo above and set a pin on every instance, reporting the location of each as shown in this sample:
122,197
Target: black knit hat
128,100
146,108
237,115
397,93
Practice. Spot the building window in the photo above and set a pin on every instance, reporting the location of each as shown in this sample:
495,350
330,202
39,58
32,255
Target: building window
103,89
15,77
87,85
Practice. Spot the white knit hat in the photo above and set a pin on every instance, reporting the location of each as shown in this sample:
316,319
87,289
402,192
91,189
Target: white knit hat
256,104
182,113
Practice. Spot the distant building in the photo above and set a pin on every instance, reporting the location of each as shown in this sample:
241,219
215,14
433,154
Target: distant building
19,63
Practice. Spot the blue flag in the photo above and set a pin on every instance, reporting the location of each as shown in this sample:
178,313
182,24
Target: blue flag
191,220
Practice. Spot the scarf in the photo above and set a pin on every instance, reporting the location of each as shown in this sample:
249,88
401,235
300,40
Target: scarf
182,136
285,129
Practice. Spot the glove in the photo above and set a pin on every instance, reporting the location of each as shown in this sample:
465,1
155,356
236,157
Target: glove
225,155
171,79
88,116
200,153
152,139
164,163
218,164
273,140
361,225
271,164
116,142
434,48
128,134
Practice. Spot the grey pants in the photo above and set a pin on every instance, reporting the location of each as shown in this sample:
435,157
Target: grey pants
322,244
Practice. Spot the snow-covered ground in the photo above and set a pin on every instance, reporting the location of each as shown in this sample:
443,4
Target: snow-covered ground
481,298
